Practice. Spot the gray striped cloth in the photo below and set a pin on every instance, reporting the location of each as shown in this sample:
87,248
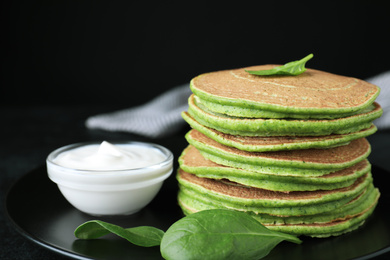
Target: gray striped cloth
383,81
157,118
161,116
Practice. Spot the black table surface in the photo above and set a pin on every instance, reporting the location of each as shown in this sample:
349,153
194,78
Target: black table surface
29,134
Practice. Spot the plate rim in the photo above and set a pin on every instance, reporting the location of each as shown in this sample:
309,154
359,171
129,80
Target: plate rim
75,255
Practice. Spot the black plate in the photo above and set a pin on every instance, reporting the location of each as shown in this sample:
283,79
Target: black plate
40,213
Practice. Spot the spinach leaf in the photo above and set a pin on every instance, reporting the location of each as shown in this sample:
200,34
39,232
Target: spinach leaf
220,234
209,234
292,68
141,236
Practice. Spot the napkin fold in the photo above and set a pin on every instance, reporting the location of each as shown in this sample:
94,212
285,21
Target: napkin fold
157,118
161,116
383,81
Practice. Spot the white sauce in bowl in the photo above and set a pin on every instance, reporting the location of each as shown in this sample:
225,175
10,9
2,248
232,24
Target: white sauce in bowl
106,179
107,156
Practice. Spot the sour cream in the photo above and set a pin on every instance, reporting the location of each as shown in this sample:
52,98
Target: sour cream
107,156
109,179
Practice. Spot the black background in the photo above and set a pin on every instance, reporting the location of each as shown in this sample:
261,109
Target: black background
124,53
62,61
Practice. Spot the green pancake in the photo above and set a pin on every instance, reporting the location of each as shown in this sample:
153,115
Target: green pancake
333,222
283,127
193,162
277,143
336,228
309,162
231,195
312,94
361,203
248,112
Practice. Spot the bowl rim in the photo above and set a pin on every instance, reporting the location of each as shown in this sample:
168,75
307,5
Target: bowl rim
166,152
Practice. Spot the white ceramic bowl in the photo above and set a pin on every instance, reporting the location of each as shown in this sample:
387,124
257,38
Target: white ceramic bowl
110,192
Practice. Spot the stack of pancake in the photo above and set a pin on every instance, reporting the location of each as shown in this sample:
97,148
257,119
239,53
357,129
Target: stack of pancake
288,150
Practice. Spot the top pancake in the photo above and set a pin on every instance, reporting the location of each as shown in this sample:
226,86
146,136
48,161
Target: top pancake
311,92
